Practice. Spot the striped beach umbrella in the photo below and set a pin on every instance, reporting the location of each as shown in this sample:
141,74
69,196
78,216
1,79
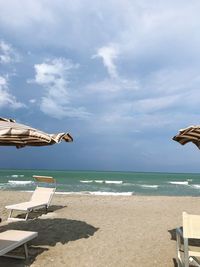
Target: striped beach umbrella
19,135
189,134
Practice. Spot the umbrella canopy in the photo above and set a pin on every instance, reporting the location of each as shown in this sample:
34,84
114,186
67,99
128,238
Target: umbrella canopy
189,134
19,135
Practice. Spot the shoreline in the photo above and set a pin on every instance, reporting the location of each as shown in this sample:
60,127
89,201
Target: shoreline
88,230
103,193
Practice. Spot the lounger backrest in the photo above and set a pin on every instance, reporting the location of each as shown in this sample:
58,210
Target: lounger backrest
43,195
44,179
191,227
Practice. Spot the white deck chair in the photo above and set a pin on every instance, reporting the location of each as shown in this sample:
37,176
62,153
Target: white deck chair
191,230
41,197
12,239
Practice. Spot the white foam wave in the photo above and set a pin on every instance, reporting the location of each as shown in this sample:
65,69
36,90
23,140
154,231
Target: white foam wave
98,193
99,181
27,191
86,181
154,186
17,175
179,183
19,182
197,186
113,182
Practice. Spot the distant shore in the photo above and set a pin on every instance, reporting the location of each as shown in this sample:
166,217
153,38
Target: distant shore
102,230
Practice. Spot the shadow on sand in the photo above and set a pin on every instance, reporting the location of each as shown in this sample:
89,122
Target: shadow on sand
50,232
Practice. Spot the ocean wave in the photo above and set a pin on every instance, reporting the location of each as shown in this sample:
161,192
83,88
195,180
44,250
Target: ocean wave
99,181
154,186
17,175
196,186
2,185
26,191
179,183
86,181
113,182
99,193
12,182
128,184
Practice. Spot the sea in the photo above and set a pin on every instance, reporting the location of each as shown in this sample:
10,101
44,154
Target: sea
106,183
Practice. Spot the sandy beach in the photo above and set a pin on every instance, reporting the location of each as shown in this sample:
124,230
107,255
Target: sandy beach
102,230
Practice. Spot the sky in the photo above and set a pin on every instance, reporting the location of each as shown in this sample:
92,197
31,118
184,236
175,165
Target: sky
121,76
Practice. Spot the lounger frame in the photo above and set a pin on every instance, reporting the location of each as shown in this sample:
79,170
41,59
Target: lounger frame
33,204
12,239
190,230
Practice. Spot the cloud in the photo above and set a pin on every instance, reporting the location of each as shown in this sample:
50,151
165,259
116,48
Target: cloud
53,76
32,101
144,77
155,104
108,54
150,54
166,97
59,111
138,27
109,88
6,98
7,53
69,22
8,56
115,82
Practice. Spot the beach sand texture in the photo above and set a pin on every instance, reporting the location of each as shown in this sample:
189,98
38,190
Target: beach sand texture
98,231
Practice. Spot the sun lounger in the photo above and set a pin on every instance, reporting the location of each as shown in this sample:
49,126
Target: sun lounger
12,239
187,253
41,198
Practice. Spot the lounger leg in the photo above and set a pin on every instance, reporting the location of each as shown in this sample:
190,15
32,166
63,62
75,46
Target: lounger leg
186,254
14,256
26,217
26,251
178,246
19,257
10,214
